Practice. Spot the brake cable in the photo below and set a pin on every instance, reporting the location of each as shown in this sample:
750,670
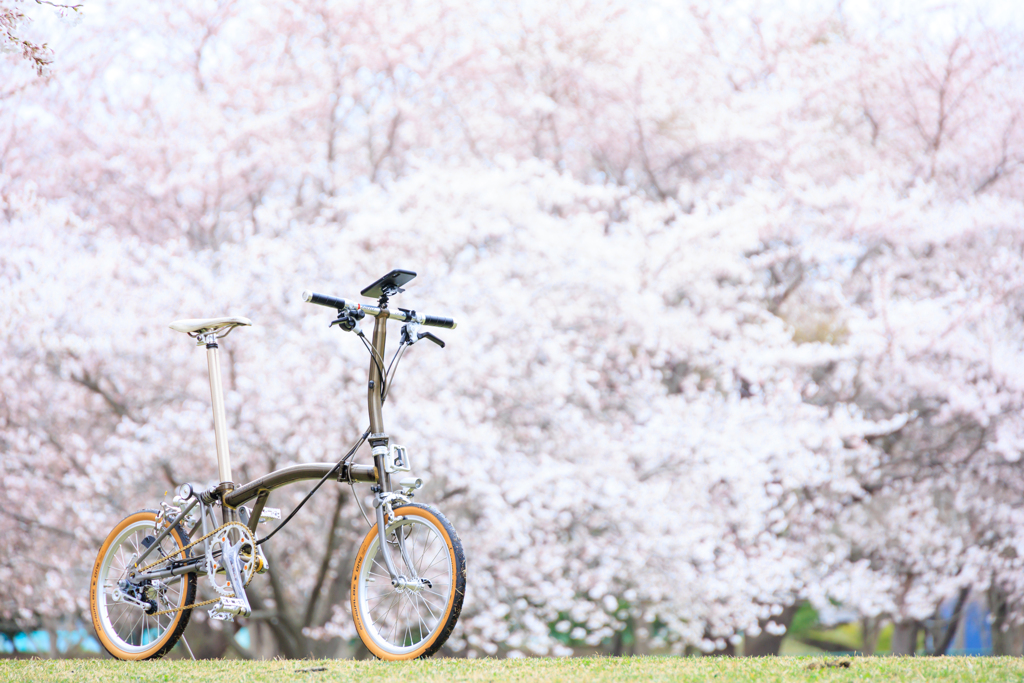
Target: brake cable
385,387
399,354
374,356
327,476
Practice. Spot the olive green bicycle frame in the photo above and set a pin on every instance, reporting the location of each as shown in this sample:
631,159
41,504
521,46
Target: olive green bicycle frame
233,497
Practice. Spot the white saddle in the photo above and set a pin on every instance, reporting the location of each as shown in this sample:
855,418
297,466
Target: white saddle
194,326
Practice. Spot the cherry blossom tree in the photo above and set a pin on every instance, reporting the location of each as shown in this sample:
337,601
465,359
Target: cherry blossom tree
737,288
15,39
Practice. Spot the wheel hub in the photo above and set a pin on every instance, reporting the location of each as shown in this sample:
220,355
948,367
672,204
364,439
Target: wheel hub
404,585
144,595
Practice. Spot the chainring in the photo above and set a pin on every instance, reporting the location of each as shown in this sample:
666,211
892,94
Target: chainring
232,535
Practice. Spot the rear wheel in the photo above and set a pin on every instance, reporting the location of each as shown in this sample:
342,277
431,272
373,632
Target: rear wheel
124,614
413,619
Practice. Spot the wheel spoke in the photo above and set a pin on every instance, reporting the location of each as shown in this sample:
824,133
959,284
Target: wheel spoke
382,595
408,629
423,549
439,607
390,607
402,622
134,624
120,616
427,605
397,615
433,560
419,621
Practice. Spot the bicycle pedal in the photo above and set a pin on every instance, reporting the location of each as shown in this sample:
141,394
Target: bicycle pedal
228,608
268,514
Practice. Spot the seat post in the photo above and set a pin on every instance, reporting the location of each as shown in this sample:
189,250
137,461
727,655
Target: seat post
220,428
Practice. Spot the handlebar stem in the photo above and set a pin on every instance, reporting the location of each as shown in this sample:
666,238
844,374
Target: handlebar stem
373,401
378,437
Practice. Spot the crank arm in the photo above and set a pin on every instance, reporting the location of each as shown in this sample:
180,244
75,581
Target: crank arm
232,564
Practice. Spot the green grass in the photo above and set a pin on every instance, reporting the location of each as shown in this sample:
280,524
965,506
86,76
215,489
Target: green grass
780,670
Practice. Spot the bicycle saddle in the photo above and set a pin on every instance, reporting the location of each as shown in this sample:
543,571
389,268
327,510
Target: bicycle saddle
206,325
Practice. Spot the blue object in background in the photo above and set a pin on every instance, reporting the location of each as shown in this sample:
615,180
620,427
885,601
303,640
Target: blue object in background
38,642
974,634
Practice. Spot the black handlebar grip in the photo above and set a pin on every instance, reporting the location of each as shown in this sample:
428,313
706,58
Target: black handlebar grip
323,300
437,321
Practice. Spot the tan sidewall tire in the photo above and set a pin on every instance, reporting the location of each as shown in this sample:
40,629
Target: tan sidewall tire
172,630
454,608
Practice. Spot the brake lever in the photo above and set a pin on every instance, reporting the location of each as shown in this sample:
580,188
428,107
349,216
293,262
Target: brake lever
431,337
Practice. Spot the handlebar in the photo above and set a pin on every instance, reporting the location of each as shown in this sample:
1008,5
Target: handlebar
324,300
398,314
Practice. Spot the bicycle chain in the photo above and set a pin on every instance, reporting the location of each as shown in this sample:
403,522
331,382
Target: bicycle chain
182,550
182,609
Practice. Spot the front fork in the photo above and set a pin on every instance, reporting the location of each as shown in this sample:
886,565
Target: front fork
382,501
383,505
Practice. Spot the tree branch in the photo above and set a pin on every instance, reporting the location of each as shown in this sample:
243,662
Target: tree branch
325,562
93,384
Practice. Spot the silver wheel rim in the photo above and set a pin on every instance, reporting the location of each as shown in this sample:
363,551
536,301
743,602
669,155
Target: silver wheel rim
400,621
126,625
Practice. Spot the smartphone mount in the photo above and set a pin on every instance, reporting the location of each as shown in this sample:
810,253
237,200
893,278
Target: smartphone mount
387,286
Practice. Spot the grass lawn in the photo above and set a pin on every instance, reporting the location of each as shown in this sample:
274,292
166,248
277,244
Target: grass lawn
772,669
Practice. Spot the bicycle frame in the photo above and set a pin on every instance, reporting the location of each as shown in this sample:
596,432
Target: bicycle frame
259,490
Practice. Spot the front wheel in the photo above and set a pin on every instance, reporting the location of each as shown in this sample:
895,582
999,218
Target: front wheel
126,614
414,619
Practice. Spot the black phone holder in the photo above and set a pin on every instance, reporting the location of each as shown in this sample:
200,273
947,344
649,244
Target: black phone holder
389,285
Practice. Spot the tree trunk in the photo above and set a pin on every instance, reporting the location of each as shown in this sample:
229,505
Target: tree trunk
51,630
1007,639
617,644
765,643
904,637
870,628
949,632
